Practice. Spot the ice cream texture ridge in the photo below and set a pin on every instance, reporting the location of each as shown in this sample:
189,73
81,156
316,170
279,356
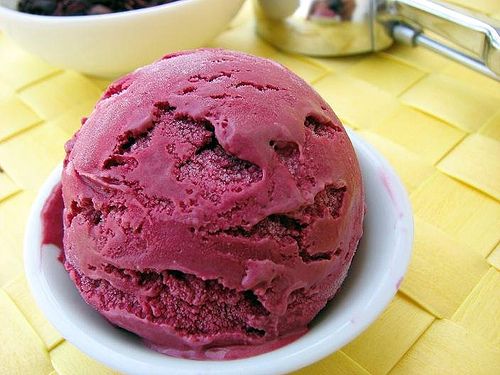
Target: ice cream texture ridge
213,203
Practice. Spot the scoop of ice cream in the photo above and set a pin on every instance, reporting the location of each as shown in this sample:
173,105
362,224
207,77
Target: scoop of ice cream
213,203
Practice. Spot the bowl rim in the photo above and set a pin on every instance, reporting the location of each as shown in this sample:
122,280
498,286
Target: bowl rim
13,13
294,360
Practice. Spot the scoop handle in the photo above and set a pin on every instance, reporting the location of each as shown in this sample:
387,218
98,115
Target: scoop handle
457,33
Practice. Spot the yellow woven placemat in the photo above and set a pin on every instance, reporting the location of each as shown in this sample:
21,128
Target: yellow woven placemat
435,121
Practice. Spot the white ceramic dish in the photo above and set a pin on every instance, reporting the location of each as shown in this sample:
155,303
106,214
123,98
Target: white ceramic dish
110,45
376,273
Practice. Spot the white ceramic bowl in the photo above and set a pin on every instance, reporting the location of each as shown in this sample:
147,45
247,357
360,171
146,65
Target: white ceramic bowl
110,45
376,273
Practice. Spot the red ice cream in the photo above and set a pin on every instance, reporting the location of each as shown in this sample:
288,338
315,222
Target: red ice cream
213,204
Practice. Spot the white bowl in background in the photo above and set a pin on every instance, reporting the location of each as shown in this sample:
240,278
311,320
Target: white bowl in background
375,275
112,44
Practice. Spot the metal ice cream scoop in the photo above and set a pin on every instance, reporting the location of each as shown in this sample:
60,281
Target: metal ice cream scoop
346,27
